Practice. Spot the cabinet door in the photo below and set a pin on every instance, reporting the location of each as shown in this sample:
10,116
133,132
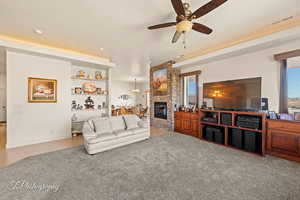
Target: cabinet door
195,128
283,142
178,115
178,125
186,124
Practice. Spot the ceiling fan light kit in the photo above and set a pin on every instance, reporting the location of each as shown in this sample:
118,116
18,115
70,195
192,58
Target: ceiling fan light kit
184,26
184,18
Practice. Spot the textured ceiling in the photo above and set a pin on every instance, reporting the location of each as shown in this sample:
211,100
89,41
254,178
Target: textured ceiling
119,26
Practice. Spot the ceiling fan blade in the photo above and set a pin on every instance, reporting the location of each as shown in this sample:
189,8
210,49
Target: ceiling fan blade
207,8
162,25
176,36
202,28
178,7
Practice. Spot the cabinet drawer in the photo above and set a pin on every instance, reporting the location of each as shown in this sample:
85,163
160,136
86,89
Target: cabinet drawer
194,116
284,125
186,116
178,115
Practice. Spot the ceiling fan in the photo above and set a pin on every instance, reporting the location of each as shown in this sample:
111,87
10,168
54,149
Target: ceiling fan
185,16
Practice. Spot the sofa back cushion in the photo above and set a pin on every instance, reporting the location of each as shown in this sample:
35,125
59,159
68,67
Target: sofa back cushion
102,125
131,121
117,123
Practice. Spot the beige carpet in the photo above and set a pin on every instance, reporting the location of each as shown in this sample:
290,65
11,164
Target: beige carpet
168,167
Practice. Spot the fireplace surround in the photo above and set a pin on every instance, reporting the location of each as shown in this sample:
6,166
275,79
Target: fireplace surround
167,101
161,110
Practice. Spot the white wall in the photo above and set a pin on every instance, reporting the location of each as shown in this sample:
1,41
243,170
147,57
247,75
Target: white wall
142,96
2,87
119,88
258,64
29,123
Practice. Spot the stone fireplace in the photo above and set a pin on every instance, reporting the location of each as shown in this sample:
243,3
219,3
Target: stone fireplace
162,107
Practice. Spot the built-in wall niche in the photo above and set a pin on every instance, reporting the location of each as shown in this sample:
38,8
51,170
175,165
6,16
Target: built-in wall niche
90,92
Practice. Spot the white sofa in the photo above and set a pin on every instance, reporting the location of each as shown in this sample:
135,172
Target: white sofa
101,134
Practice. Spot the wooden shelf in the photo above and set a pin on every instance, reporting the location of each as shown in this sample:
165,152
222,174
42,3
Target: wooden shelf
89,94
223,125
191,124
87,79
247,129
90,110
210,123
234,114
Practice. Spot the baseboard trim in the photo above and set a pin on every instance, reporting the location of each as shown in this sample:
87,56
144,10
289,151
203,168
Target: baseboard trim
10,146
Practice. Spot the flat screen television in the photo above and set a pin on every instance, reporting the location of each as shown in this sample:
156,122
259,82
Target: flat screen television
243,94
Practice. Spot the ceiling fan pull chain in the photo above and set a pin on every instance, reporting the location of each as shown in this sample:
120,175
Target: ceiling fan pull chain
184,40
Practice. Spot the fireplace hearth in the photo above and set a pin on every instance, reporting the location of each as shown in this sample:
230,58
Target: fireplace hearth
161,110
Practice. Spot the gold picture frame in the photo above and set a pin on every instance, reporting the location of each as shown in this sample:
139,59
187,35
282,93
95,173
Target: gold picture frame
42,90
160,82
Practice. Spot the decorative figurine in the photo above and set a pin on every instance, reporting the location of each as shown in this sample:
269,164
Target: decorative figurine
89,88
89,103
74,105
99,91
74,118
90,77
78,90
98,76
80,74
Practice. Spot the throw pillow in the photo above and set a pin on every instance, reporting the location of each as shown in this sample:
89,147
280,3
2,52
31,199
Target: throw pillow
117,123
102,125
131,121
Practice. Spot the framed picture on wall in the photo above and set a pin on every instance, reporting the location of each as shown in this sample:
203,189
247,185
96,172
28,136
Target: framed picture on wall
160,82
42,90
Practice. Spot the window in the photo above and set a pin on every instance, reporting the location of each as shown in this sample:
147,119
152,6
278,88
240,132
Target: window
191,90
293,79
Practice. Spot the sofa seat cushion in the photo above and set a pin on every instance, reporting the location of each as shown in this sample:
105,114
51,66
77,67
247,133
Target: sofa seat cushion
139,130
124,133
102,125
131,121
117,123
103,137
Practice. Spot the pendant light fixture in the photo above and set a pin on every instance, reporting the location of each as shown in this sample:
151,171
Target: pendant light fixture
135,90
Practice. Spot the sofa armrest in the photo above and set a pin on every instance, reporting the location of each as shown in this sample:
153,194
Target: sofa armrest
143,124
87,131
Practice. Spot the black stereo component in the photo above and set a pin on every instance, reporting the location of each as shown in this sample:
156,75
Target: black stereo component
209,133
237,138
214,134
226,119
250,141
210,119
219,137
246,121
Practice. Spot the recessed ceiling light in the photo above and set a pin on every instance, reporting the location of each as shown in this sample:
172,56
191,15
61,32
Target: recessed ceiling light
101,49
38,31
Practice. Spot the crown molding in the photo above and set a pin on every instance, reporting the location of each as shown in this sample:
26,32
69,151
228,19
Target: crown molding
254,36
11,43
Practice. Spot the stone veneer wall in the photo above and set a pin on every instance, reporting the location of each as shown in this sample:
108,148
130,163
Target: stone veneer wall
172,98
